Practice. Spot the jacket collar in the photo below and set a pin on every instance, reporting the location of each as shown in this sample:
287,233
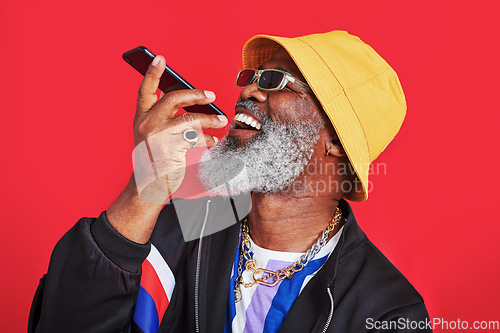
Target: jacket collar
313,299
351,236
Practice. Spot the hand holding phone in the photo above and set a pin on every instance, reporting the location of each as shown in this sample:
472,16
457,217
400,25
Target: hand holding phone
159,153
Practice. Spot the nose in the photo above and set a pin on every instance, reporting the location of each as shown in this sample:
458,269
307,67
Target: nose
252,90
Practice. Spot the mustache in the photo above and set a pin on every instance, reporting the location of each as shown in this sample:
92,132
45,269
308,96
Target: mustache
252,107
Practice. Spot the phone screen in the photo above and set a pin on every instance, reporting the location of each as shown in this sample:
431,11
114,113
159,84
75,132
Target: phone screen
141,57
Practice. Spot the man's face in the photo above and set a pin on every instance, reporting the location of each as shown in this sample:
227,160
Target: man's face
273,136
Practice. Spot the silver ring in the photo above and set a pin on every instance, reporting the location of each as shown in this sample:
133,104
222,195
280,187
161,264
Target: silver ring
191,136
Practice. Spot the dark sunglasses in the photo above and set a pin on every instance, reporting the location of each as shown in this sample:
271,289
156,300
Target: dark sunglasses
267,79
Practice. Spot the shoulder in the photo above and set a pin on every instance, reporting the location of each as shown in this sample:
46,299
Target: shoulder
376,275
372,291
370,282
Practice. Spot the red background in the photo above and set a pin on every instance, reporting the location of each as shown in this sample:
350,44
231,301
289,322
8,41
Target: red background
68,101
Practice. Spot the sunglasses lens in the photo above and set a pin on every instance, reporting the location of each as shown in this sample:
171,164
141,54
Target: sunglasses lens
271,79
245,77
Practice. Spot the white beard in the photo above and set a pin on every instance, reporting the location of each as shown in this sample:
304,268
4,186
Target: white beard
268,163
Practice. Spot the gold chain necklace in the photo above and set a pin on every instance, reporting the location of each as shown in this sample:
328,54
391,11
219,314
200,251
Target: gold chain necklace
261,275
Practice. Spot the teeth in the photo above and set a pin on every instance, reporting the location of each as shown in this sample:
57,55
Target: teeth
248,120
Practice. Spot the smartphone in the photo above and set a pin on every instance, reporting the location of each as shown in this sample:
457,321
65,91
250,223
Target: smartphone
141,57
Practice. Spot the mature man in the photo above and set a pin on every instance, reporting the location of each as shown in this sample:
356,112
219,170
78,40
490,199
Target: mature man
276,248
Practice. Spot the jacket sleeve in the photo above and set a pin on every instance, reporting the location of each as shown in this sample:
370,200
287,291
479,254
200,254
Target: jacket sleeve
92,281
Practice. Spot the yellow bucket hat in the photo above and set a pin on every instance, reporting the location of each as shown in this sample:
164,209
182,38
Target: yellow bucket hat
360,93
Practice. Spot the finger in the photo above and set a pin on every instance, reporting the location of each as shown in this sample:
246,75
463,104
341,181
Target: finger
198,121
204,140
168,106
147,91
176,142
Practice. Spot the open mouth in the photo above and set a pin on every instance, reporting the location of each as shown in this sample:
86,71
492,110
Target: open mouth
247,122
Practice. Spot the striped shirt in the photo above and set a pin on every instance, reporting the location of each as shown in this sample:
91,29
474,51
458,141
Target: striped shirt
155,292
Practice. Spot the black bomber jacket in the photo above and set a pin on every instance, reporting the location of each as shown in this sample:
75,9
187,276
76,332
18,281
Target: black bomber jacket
94,275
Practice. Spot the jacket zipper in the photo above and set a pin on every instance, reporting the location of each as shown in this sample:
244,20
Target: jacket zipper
332,306
197,276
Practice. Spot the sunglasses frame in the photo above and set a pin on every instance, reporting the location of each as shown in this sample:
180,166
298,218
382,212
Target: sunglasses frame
286,78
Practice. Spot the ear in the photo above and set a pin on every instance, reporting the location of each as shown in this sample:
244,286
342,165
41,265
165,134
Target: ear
331,142
334,148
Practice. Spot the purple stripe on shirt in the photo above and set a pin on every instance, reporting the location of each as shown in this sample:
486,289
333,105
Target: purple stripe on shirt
262,300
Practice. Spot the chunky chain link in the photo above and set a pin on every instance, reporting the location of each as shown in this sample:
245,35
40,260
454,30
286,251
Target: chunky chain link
261,275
